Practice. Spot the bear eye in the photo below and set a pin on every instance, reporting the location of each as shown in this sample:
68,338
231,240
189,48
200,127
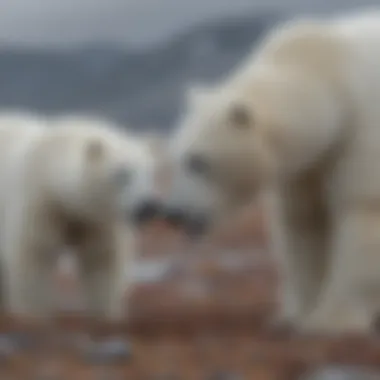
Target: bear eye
240,116
198,165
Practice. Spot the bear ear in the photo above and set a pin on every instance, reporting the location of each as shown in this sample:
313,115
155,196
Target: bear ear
240,116
94,150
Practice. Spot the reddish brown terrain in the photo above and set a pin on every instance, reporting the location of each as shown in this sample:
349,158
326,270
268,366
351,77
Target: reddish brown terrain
196,312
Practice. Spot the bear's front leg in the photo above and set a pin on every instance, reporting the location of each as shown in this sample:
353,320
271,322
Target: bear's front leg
301,269
350,298
299,244
28,273
105,261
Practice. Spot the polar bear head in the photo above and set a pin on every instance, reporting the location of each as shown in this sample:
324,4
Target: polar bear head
90,167
239,137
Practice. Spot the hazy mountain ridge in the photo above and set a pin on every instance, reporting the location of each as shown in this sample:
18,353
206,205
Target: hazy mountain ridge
143,88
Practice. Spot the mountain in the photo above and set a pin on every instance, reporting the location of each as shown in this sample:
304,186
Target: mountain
141,88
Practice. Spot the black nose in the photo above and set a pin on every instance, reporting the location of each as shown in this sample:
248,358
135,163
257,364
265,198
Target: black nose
146,212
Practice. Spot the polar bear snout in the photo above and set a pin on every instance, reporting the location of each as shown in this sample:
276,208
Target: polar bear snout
146,211
193,225
175,217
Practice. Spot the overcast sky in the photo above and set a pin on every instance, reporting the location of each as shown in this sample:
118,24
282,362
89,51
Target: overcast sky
50,23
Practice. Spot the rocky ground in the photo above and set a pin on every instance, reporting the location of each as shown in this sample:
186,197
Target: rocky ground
196,312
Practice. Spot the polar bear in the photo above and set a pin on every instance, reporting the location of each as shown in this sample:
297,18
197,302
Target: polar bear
66,181
298,124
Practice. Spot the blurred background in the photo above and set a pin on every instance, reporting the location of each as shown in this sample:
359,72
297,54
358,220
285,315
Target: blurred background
130,61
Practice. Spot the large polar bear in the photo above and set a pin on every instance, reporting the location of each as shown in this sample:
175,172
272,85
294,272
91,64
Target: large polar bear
300,119
66,181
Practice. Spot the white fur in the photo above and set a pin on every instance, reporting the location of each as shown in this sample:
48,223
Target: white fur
311,90
56,173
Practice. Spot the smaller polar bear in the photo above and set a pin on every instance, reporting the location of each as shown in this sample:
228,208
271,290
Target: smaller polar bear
66,181
299,122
